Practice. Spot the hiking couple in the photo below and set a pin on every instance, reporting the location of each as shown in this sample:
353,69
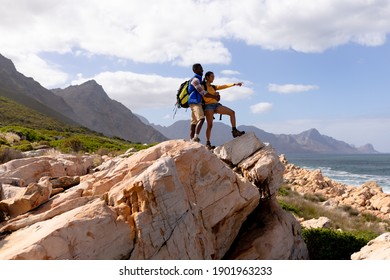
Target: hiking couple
205,92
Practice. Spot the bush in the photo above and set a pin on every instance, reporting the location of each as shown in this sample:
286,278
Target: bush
28,134
314,197
289,207
330,244
284,191
73,144
24,146
7,154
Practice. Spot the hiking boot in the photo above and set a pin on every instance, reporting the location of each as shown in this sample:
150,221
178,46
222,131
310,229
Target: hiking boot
237,133
195,139
208,146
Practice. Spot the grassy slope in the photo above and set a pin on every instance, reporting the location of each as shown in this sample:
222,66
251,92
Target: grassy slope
36,128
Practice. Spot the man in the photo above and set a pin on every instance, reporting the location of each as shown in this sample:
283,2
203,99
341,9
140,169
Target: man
196,93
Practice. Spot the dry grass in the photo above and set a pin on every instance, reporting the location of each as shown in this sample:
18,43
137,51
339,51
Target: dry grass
344,218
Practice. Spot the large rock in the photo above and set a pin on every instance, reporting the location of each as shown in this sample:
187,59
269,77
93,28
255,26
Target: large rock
176,200
31,197
264,169
30,170
321,222
377,249
239,148
91,231
270,233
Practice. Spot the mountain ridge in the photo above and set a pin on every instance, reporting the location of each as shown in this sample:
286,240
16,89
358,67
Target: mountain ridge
28,92
309,141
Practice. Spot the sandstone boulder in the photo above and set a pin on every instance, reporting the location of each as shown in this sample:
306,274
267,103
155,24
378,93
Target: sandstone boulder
177,200
321,222
31,197
239,148
377,249
91,231
32,169
264,169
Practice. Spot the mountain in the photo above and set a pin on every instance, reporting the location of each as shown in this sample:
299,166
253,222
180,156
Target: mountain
26,91
87,105
310,141
94,109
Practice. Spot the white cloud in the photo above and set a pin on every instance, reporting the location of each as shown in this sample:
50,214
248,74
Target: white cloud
291,88
309,26
180,32
261,107
233,93
48,74
230,72
137,91
184,31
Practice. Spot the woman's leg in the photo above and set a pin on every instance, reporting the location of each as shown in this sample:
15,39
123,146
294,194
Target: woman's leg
223,110
227,111
209,118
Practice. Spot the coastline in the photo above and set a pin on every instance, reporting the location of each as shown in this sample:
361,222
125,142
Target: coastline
349,169
366,198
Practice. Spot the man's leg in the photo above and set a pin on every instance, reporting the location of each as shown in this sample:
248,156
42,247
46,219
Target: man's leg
199,116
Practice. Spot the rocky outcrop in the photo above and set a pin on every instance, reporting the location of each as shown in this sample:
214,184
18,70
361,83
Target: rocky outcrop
376,249
368,198
321,222
176,200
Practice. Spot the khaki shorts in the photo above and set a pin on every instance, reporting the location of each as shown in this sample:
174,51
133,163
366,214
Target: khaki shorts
197,113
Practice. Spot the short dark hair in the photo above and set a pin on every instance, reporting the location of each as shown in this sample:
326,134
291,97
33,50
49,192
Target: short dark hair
195,66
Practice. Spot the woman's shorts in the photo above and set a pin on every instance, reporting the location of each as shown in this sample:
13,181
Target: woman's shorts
212,106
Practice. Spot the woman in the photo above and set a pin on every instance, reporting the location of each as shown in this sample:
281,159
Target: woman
212,106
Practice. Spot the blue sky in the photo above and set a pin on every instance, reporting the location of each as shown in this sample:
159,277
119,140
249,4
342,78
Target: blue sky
305,64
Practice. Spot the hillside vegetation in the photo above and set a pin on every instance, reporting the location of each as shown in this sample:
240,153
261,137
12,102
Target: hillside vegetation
24,129
349,231
13,113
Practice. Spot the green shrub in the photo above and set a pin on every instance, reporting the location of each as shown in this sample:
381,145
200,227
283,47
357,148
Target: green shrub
3,142
284,191
28,134
7,154
330,244
350,210
24,146
289,207
370,217
73,144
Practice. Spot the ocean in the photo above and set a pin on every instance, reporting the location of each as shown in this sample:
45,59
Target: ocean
353,170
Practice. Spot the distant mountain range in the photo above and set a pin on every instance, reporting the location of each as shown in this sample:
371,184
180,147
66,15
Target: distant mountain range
310,141
88,105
